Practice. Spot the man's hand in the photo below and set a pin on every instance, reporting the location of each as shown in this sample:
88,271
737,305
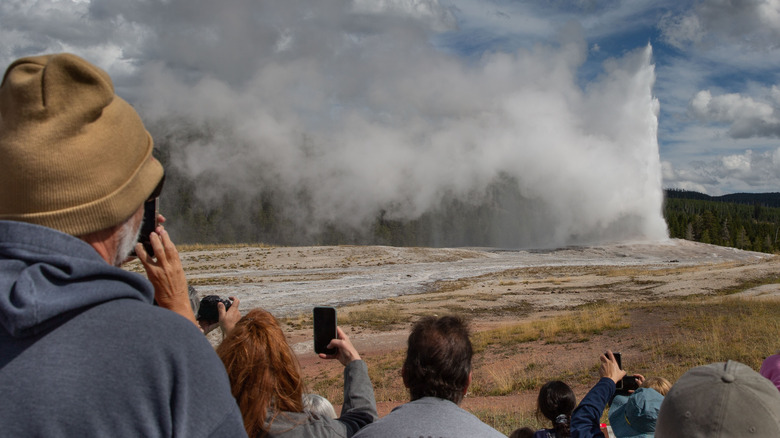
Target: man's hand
609,367
166,274
347,352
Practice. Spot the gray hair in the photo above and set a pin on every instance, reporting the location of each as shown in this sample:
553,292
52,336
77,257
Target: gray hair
318,405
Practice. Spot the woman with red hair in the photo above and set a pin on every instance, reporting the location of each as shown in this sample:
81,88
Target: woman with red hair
266,381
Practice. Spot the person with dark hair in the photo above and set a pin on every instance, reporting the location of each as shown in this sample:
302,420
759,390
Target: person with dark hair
266,379
83,350
437,373
555,402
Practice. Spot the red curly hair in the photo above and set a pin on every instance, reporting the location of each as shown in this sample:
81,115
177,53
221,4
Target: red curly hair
265,375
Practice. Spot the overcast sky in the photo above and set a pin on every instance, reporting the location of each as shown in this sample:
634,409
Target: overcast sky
437,63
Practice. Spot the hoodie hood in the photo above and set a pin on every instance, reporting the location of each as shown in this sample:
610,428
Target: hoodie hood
47,276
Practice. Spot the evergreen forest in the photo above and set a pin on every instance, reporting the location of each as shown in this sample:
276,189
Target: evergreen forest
749,221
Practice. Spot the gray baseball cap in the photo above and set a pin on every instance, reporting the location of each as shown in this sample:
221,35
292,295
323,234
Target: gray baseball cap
724,399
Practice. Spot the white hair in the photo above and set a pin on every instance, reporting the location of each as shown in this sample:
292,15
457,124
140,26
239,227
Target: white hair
126,237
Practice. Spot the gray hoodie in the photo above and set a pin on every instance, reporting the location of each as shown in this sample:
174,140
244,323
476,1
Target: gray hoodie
83,352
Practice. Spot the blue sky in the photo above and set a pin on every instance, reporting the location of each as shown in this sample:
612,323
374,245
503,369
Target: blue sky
407,75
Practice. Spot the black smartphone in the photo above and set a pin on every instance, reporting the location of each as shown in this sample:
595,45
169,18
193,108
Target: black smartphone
619,360
628,383
148,225
324,329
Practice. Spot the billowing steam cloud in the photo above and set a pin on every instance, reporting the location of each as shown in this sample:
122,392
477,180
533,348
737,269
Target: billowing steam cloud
345,110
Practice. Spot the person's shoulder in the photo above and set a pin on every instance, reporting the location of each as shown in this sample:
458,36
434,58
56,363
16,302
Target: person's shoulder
445,417
139,322
305,424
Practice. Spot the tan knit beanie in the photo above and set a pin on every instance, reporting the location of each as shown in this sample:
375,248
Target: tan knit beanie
73,156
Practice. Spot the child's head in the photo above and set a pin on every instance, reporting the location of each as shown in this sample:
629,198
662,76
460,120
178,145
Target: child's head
658,383
556,402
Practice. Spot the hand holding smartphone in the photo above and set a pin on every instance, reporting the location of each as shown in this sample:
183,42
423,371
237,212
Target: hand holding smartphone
627,383
148,226
324,329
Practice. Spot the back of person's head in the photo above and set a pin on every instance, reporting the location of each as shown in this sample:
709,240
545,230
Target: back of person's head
661,385
522,432
556,402
264,373
438,359
76,157
318,405
637,417
724,399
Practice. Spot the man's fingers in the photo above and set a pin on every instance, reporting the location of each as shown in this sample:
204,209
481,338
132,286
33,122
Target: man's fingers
143,257
157,246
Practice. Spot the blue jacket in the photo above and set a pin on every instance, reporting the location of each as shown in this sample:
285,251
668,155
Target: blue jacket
635,415
585,420
83,352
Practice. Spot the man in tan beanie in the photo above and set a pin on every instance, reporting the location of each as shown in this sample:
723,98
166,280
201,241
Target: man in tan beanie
83,352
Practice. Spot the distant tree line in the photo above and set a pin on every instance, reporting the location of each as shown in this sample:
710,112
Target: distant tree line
749,221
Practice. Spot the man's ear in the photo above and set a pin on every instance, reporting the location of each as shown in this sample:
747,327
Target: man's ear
468,384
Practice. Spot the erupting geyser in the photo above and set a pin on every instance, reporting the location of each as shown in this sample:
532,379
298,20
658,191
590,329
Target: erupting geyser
345,116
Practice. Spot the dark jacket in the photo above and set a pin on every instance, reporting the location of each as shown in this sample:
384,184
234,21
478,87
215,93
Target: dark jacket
585,420
83,352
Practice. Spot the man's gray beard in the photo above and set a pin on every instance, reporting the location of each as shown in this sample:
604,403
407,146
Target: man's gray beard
127,237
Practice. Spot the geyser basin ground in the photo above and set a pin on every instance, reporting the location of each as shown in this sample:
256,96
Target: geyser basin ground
491,287
291,280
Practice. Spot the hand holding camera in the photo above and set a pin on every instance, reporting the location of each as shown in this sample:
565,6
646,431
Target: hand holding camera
214,311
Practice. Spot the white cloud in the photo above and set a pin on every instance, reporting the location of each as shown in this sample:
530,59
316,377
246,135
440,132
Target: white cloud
747,171
745,116
752,24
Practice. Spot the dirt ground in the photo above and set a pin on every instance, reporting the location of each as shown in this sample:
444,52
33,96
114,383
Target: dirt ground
517,286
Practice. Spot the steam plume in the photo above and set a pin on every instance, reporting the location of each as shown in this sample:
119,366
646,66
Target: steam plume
342,113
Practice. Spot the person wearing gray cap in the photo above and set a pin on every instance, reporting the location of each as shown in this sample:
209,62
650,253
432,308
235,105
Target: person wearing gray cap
720,400
83,350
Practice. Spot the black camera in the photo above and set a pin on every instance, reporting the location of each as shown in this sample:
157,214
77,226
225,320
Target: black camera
208,310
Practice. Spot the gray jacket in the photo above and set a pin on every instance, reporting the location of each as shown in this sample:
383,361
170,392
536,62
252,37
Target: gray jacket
429,417
358,410
83,352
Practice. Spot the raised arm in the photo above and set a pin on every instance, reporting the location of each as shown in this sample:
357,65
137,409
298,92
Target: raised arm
585,419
